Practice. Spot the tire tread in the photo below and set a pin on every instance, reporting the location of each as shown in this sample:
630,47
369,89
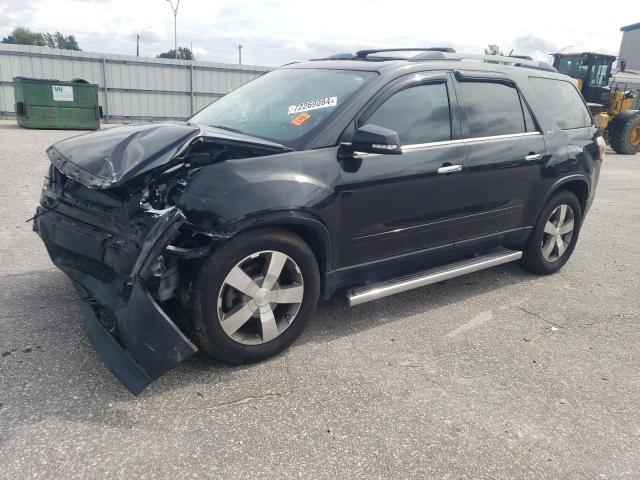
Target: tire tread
620,130
198,305
532,259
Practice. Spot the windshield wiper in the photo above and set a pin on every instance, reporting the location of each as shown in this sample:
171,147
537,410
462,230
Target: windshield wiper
222,127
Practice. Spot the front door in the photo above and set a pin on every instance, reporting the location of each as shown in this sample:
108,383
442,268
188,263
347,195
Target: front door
397,204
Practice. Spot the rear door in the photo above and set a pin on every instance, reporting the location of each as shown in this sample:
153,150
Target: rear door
396,204
505,152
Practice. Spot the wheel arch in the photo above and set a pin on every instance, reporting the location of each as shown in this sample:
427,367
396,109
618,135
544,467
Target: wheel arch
580,188
304,224
577,184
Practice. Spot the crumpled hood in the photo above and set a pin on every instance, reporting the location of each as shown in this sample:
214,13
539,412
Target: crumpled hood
111,157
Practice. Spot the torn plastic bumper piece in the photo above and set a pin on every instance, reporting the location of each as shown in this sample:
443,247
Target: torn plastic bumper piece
134,336
152,345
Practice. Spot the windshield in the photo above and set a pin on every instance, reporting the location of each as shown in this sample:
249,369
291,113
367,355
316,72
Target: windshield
283,105
573,66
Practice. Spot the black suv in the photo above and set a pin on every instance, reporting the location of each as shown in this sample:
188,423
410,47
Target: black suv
375,170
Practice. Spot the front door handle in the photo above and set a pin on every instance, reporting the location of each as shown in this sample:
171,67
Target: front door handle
532,157
450,169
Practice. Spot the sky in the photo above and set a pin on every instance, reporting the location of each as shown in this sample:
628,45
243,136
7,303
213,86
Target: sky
275,32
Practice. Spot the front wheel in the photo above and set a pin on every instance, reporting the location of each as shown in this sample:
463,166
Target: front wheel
624,132
554,235
253,297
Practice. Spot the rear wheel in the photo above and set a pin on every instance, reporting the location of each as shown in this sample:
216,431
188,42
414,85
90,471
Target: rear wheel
624,132
554,235
254,296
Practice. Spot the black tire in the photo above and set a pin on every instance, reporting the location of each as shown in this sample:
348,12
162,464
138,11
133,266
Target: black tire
199,297
533,258
620,132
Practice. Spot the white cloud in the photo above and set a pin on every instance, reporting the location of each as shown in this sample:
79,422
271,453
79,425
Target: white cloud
279,31
201,52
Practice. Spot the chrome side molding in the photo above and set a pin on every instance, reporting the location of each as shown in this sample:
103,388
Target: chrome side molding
364,294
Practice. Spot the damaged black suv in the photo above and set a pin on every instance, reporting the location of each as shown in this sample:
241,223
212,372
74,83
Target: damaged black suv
378,171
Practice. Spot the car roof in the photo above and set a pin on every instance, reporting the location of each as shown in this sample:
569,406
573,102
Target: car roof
397,67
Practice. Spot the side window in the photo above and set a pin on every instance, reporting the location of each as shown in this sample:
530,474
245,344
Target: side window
574,67
419,114
492,109
564,102
599,75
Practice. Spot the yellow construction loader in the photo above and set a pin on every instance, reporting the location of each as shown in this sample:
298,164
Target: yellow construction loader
612,99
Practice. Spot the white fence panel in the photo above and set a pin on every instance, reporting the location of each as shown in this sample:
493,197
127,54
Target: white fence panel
131,88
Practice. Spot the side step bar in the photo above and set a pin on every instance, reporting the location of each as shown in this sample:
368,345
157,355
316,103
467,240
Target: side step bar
359,295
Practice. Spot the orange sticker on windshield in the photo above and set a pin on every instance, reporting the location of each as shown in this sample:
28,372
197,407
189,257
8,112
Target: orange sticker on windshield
300,119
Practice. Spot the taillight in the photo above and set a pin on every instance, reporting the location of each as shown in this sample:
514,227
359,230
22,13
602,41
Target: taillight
48,176
602,147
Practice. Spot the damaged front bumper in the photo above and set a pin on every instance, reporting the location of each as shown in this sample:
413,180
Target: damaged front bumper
129,329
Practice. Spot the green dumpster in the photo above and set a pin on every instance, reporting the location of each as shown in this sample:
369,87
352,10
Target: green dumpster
55,104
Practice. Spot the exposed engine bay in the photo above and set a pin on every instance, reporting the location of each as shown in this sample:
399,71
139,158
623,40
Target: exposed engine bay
166,186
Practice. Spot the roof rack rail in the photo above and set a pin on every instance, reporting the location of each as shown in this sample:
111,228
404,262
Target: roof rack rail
340,56
516,61
443,53
363,54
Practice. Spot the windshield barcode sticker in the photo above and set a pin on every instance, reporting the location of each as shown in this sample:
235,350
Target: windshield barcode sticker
313,105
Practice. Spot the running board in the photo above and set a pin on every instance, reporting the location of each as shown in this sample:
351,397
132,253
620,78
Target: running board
359,295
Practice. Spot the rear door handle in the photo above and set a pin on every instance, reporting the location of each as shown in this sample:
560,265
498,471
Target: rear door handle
450,169
532,157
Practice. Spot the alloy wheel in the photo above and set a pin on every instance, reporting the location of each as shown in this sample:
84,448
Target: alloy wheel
558,232
260,297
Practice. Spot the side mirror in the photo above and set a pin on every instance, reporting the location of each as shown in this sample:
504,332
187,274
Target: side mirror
374,139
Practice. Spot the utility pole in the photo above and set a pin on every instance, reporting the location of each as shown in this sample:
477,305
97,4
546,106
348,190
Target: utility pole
137,45
239,54
175,26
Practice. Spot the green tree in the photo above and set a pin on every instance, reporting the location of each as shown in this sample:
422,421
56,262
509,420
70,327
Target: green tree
58,40
493,49
183,54
24,36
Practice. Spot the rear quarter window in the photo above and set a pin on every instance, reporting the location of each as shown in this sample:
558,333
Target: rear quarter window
563,101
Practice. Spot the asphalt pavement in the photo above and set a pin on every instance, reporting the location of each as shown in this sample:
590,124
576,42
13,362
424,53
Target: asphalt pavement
499,374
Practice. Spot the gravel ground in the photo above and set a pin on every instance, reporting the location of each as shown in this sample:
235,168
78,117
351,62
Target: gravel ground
499,374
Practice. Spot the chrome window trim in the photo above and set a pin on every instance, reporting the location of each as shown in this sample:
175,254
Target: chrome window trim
444,143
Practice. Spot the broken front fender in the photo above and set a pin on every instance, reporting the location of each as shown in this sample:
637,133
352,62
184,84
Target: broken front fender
129,329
